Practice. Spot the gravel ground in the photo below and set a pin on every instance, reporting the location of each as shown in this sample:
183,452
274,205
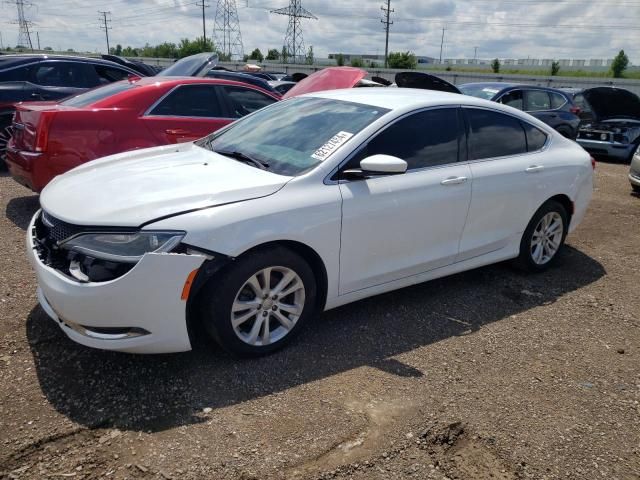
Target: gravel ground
487,374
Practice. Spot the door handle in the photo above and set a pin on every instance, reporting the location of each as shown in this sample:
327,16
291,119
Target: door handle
535,169
37,95
453,181
177,131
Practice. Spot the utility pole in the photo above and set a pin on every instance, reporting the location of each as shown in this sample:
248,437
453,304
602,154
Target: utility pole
475,54
106,27
38,35
1,42
204,26
441,44
387,23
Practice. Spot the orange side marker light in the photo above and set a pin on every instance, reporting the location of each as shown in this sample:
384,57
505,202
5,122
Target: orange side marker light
187,284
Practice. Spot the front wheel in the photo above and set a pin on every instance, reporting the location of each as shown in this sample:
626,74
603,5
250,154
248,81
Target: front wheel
260,303
543,237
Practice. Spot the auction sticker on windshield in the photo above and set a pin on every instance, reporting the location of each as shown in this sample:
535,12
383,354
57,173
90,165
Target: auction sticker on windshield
326,150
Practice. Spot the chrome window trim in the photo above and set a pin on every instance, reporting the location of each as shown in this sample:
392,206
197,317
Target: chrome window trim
328,181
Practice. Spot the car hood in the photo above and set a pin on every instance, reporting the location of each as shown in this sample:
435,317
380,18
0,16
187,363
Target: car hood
611,102
424,81
331,78
134,188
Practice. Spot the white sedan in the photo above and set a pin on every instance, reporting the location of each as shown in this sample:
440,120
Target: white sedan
303,206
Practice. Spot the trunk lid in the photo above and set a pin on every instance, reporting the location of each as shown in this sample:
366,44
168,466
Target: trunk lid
31,124
331,78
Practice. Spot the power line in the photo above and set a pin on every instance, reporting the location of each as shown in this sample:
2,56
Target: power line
106,27
387,23
293,41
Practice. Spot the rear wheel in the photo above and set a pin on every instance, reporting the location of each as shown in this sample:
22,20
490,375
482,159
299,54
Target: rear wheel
260,303
635,188
5,134
543,237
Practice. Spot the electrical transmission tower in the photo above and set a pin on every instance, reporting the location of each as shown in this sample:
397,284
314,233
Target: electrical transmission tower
293,41
24,37
106,26
387,23
226,31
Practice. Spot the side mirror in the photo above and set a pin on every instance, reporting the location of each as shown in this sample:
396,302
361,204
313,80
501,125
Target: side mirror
383,165
377,165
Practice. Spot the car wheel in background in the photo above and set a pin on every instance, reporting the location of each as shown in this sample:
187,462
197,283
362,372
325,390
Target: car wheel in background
543,237
5,134
260,302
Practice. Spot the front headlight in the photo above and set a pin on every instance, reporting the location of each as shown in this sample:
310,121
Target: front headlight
127,247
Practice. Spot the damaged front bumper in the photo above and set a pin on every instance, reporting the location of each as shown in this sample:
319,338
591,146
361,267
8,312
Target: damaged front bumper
142,311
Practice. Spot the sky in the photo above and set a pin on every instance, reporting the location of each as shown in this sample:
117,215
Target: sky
581,29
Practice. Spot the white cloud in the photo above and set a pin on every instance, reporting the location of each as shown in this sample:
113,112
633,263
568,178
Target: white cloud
354,26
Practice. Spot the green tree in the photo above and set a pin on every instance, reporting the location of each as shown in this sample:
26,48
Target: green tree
191,47
404,60
273,54
357,62
256,55
495,65
245,58
619,64
48,49
284,54
340,60
555,68
309,56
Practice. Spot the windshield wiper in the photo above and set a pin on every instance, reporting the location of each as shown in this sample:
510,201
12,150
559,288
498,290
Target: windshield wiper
243,157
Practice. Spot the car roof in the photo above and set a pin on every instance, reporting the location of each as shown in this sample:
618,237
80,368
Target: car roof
15,60
401,98
156,81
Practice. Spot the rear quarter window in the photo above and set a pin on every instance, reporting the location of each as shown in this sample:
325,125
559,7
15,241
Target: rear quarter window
536,138
19,74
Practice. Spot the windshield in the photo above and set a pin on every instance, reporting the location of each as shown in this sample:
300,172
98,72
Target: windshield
294,136
189,66
97,94
481,91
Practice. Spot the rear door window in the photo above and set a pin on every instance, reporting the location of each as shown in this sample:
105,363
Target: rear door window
514,99
244,101
493,134
537,100
190,101
109,74
65,74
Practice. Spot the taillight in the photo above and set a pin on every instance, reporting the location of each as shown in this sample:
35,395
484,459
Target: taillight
575,110
593,163
42,131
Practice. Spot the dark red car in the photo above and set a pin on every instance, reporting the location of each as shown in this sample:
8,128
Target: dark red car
51,138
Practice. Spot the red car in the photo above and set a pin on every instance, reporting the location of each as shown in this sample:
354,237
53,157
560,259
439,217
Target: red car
51,138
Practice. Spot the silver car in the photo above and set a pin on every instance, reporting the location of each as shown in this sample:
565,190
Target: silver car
634,171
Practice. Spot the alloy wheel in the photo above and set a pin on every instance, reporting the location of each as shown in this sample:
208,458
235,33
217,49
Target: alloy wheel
546,238
5,136
267,306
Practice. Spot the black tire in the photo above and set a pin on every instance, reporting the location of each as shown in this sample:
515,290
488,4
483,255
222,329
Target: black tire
526,258
219,295
636,189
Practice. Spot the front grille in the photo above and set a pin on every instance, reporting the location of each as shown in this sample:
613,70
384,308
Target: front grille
57,229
